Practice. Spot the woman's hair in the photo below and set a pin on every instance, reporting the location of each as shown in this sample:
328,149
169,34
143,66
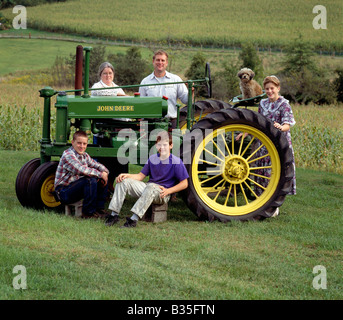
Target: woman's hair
272,79
103,66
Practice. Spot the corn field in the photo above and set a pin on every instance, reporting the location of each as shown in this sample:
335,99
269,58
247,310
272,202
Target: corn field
267,23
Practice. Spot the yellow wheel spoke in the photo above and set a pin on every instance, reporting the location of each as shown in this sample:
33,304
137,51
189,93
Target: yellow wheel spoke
209,162
244,195
262,187
259,158
251,190
235,194
226,146
260,168
233,142
228,195
218,175
208,172
212,154
241,145
255,151
213,189
247,147
218,149
219,191
259,175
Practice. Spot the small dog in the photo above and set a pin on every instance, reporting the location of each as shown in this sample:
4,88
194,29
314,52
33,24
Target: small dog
249,87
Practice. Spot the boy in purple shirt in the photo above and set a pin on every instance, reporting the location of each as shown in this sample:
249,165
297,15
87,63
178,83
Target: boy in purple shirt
167,175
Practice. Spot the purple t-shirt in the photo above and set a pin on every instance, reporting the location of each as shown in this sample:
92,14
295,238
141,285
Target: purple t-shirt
166,173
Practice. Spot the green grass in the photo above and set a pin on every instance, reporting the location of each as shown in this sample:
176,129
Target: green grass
183,258
36,54
220,22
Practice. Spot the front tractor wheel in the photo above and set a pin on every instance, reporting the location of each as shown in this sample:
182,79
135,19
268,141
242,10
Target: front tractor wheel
41,186
23,179
240,166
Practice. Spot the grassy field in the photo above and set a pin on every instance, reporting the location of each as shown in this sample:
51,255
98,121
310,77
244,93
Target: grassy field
183,258
67,258
221,22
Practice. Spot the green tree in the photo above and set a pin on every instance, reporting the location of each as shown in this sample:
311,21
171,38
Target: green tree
298,57
301,80
225,82
197,71
130,68
250,60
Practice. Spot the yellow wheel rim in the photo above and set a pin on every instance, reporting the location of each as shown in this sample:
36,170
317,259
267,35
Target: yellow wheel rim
224,170
46,192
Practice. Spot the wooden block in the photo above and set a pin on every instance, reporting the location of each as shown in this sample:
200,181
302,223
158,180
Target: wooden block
156,213
76,207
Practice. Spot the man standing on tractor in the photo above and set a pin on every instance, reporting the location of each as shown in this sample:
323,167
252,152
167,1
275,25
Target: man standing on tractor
171,91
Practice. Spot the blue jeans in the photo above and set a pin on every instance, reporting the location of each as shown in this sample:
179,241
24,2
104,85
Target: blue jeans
92,191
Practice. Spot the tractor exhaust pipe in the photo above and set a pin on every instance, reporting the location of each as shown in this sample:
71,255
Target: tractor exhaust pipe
78,70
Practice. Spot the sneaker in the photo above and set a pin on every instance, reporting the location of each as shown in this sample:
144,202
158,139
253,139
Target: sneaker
111,220
129,223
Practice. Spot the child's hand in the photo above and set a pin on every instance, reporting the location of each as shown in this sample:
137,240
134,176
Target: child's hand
104,178
164,192
121,177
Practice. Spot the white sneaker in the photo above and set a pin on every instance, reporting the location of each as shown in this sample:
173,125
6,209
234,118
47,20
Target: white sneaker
276,212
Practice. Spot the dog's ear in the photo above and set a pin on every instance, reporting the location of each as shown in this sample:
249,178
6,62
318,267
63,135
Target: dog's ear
239,74
252,74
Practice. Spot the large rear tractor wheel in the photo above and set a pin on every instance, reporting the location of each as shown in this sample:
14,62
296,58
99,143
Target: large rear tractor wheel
240,166
41,186
23,179
201,110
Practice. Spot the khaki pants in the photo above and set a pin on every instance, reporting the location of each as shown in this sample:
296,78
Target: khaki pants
147,193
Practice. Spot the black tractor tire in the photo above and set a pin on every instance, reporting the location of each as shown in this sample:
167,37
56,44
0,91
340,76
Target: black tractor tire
201,110
41,186
229,193
23,179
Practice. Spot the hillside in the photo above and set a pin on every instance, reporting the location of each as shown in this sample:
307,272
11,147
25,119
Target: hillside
268,23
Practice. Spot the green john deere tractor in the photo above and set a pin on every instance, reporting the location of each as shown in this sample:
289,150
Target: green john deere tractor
218,142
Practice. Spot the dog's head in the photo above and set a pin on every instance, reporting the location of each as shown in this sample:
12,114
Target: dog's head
245,74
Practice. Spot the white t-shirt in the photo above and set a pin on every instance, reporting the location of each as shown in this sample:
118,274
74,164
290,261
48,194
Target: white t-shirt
106,92
172,91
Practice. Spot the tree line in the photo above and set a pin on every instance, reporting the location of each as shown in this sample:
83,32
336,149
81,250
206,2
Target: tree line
302,81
